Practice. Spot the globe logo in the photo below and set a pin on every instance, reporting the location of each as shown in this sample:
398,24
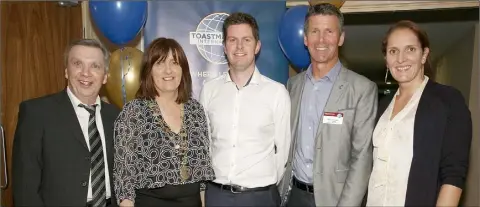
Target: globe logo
209,38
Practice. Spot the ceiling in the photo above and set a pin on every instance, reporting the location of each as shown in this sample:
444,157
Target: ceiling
364,33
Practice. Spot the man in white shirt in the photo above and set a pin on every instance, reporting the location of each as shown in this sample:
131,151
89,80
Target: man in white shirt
63,146
249,120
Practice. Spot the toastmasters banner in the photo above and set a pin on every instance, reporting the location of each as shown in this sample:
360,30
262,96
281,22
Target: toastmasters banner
197,26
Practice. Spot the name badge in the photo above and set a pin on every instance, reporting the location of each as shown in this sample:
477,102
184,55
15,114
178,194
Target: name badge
332,118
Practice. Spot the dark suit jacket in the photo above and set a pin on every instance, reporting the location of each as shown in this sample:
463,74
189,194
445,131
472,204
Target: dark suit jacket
441,143
51,161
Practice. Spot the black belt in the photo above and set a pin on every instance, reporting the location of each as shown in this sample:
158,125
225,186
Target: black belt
240,189
108,202
302,186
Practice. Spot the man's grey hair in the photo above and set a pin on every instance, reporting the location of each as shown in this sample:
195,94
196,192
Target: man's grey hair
323,9
88,43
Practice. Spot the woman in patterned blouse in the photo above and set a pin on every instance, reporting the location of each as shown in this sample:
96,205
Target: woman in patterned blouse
161,137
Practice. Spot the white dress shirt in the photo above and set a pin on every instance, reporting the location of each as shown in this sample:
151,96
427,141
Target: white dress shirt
83,117
393,153
246,124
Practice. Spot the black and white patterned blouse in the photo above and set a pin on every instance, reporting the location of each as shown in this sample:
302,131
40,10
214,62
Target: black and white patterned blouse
145,157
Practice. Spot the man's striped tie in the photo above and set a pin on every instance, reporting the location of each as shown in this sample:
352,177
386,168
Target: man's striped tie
97,166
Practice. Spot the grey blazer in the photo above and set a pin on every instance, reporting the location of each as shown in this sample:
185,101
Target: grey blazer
343,155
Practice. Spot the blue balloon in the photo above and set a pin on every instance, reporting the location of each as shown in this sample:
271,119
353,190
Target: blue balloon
290,37
119,21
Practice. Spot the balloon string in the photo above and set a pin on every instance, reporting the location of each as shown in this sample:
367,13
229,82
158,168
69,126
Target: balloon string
124,76
124,96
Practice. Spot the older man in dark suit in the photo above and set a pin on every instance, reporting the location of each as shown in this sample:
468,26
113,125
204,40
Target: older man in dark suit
63,147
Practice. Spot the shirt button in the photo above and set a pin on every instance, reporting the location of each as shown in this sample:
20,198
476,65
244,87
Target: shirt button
310,127
87,158
84,183
233,146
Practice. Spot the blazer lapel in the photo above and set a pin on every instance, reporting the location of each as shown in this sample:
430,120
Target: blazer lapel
107,121
338,89
296,93
67,115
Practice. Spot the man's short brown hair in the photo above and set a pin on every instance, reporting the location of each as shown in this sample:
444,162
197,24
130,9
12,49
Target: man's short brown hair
240,18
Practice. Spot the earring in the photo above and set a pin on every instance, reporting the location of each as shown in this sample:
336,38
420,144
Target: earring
386,75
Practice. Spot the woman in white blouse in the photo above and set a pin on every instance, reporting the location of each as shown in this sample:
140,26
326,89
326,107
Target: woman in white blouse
423,135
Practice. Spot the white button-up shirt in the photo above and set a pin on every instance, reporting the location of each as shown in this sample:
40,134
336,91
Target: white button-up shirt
246,125
393,153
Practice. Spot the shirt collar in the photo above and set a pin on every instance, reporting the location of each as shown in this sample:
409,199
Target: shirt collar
331,75
75,101
256,77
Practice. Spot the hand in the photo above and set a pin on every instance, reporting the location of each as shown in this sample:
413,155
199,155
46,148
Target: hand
126,203
449,195
202,198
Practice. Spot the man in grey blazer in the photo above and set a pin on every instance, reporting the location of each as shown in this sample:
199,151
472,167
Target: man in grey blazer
332,120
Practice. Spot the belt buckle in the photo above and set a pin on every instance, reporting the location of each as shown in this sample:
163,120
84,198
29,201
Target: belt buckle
233,191
309,189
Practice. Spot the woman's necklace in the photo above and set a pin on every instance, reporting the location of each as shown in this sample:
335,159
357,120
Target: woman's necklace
180,140
183,148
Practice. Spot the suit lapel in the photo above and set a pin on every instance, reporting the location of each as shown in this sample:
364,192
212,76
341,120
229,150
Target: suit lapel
297,92
337,92
338,89
107,122
67,115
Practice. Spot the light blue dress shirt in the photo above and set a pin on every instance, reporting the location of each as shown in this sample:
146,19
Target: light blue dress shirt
314,98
